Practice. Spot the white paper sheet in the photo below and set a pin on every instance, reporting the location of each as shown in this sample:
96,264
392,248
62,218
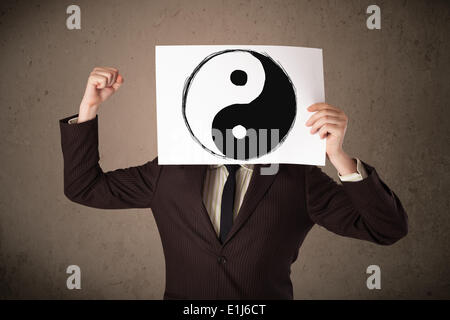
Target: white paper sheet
193,83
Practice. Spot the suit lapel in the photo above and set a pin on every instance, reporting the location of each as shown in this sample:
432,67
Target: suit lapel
196,177
258,186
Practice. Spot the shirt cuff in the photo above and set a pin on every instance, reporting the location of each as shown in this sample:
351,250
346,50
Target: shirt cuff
359,175
73,120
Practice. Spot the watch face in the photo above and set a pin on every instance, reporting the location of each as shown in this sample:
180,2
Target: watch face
249,100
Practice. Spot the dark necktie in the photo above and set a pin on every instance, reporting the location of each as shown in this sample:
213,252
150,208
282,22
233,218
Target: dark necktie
226,212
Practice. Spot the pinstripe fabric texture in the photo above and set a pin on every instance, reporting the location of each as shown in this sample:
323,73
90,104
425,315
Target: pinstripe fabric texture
215,178
275,215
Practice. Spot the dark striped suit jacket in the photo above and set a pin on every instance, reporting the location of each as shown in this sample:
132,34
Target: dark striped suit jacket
276,214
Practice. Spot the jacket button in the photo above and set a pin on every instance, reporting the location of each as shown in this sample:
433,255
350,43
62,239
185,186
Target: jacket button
222,260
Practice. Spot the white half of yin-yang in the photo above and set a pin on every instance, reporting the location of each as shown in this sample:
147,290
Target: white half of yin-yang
211,90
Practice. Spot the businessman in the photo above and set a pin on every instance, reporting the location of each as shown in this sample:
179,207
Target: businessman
227,231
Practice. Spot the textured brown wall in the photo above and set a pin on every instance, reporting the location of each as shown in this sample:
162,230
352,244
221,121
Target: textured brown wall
393,84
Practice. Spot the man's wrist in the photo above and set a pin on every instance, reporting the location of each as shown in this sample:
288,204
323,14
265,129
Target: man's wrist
343,163
87,113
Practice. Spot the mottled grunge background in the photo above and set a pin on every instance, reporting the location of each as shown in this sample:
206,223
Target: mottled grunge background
393,83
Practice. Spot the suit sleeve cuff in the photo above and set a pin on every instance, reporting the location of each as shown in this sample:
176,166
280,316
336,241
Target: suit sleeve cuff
359,175
70,131
73,120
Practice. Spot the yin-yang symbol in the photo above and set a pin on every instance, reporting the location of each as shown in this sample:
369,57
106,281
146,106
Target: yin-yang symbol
239,104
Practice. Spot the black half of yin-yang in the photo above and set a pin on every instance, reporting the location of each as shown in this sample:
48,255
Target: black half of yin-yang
267,119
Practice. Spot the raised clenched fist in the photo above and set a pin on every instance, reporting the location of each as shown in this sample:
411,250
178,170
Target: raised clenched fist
101,84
